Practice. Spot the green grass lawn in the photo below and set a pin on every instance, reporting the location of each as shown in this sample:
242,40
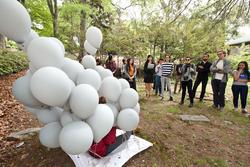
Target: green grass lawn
223,142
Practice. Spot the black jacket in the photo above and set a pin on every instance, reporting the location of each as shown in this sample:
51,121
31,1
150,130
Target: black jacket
203,73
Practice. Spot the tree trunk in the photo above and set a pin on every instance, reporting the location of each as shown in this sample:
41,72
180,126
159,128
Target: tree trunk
52,4
2,42
154,46
82,35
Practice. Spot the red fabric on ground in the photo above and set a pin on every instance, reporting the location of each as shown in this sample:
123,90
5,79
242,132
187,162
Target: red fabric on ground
110,137
99,150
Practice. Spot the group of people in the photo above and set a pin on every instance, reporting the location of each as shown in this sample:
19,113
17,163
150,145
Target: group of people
128,69
160,75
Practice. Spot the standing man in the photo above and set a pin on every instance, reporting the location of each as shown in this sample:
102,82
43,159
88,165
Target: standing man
203,69
220,70
178,75
167,69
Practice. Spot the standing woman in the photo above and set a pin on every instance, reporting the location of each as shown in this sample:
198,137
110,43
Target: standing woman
110,64
149,70
188,70
130,73
240,88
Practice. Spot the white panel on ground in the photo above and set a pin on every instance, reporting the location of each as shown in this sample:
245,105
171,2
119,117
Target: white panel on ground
117,158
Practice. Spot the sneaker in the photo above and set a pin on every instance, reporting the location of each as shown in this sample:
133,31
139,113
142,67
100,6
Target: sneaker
171,99
221,109
244,111
162,97
236,109
190,105
181,103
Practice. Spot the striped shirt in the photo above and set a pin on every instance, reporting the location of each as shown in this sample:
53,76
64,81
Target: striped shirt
167,69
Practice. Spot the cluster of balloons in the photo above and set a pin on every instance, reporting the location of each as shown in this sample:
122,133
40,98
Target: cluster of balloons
63,93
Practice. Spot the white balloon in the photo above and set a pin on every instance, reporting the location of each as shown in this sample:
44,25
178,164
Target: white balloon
57,109
31,36
49,135
44,51
137,108
114,110
21,91
15,22
34,110
66,118
72,84
76,137
59,43
99,69
88,61
111,89
76,118
129,98
94,36
51,86
47,116
83,100
91,77
89,48
72,68
101,121
106,73
124,83
128,119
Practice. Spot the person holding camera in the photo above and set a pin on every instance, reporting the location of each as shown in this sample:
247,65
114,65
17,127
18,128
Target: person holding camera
188,70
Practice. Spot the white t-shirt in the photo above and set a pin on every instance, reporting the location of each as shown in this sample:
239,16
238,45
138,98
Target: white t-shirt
220,66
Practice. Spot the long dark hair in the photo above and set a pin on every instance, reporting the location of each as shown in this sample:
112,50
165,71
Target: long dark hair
246,69
128,64
148,60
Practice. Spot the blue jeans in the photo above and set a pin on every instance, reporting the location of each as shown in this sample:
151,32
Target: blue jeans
240,90
158,84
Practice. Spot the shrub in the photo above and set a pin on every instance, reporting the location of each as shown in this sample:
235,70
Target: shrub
236,59
12,61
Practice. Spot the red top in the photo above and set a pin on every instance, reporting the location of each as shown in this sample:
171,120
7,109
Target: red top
98,150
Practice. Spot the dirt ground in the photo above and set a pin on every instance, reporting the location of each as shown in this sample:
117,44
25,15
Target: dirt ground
223,142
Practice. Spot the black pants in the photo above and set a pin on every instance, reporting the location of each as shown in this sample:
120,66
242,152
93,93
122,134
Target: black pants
119,140
132,83
240,90
219,92
197,82
187,84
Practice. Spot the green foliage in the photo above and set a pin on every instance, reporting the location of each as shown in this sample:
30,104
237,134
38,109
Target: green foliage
236,59
12,61
40,15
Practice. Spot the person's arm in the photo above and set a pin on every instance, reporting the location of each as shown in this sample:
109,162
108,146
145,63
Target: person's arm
114,67
207,67
135,72
198,67
145,67
157,68
227,68
193,69
126,72
213,67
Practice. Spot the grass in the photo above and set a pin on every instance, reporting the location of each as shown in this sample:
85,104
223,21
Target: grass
192,144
